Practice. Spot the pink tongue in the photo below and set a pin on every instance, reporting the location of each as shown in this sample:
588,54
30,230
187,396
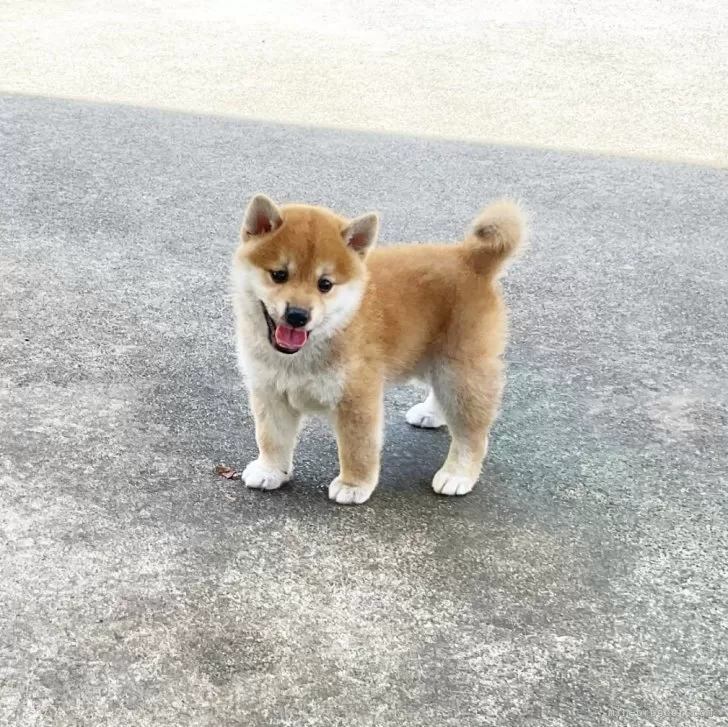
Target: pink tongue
291,338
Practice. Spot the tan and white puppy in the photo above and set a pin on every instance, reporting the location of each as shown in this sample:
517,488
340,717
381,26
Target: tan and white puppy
324,323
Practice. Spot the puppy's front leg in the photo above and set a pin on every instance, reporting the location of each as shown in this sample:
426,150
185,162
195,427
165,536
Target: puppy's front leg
276,429
359,438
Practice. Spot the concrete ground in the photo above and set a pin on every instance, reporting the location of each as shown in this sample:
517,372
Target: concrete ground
641,78
583,582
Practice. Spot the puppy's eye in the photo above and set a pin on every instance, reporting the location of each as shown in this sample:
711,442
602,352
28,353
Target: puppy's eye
279,276
325,285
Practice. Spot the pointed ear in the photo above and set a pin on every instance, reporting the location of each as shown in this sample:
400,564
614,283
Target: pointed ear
261,217
361,234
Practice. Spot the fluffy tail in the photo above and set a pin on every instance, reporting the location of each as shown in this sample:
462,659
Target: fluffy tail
496,235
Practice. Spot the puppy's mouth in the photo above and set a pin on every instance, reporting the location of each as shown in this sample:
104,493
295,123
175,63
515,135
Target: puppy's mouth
283,338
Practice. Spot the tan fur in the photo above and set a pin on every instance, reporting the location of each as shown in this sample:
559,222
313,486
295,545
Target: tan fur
432,312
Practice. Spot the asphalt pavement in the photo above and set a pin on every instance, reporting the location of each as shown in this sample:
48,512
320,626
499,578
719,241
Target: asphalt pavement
641,78
583,582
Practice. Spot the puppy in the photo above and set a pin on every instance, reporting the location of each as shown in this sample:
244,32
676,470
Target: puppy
324,323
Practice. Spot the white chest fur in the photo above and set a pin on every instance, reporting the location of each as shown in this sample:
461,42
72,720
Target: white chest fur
307,392
304,378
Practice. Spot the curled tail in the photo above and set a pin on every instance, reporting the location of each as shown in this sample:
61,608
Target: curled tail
496,235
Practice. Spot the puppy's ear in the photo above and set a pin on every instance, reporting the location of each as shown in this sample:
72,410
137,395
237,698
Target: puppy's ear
361,234
261,217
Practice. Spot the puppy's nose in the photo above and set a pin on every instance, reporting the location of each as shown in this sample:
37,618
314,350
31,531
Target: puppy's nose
296,317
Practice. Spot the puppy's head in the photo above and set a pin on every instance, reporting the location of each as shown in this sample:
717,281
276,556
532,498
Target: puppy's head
306,267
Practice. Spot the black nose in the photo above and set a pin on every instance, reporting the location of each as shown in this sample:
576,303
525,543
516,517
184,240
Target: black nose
296,317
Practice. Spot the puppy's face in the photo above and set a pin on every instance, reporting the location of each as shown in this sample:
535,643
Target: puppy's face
306,267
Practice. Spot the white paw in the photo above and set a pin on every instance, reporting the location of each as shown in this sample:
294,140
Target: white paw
422,415
348,495
447,483
260,477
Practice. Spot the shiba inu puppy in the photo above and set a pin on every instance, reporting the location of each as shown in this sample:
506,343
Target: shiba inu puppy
324,323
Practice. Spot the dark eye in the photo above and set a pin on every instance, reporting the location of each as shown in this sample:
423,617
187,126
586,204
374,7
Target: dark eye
325,285
279,276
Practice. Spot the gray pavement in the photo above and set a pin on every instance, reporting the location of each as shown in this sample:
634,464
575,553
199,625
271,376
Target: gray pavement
582,583
639,78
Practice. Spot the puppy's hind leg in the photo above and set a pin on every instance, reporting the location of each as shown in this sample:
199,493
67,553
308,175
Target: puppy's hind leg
469,397
427,415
